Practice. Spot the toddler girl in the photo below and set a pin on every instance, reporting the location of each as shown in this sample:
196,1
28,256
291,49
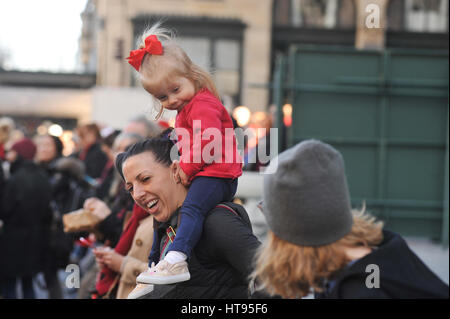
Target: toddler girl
168,74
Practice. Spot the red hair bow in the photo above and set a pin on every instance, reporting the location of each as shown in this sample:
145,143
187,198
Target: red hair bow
152,46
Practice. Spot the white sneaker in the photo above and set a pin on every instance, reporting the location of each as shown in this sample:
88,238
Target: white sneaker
165,273
140,290
144,274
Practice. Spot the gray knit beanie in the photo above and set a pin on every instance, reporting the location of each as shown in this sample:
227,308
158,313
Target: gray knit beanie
306,201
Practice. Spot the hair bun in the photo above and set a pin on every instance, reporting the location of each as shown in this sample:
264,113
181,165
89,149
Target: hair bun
169,134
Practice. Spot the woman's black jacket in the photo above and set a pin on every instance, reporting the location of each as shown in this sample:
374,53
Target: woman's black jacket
222,260
25,211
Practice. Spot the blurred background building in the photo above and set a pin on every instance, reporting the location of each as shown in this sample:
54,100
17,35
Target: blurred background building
371,78
237,40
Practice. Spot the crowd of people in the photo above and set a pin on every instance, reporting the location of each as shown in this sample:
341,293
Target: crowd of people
167,226
38,185
326,255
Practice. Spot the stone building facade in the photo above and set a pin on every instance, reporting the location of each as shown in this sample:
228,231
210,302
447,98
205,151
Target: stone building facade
232,38
238,39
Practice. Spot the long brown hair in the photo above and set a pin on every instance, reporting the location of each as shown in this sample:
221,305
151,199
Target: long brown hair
291,271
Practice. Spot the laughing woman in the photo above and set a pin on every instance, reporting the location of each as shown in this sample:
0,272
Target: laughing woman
220,263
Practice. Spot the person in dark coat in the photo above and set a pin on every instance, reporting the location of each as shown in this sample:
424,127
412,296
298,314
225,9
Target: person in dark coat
69,190
326,246
69,187
116,204
107,176
113,211
2,178
91,152
48,150
25,211
221,261
402,275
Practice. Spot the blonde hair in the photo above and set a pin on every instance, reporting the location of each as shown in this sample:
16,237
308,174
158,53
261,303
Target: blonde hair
173,62
291,271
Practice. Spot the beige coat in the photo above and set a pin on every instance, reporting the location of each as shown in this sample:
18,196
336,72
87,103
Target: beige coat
136,260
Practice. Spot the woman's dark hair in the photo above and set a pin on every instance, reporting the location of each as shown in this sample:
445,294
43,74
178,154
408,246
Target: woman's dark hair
109,139
58,145
160,146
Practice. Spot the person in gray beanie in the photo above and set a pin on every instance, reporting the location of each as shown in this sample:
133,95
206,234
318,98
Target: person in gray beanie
317,243
310,186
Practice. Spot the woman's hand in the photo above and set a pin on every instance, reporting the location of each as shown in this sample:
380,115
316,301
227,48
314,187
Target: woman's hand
99,252
107,257
97,207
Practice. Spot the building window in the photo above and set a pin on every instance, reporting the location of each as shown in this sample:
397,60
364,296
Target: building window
402,15
227,62
198,49
426,16
220,57
321,14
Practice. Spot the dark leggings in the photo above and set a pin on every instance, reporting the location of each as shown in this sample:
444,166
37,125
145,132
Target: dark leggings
203,195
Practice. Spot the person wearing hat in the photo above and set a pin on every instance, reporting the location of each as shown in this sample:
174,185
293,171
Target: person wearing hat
317,243
25,211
